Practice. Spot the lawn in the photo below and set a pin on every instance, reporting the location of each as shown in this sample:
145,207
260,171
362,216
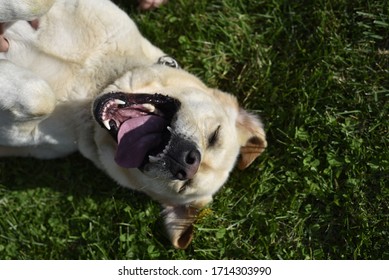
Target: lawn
317,72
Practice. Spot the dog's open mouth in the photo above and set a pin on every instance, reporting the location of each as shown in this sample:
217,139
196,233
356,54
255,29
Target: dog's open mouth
138,122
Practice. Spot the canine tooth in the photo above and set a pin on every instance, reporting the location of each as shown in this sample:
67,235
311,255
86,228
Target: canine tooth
170,129
149,107
119,102
153,159
106,124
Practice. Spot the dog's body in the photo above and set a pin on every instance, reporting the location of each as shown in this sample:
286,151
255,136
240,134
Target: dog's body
78,75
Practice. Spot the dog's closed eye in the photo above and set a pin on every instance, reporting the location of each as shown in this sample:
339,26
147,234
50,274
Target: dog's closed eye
213,138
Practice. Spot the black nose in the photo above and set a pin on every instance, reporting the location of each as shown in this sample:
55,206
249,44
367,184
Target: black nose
183,159
189,165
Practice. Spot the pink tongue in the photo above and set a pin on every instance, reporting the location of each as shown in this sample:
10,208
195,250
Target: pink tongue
136,137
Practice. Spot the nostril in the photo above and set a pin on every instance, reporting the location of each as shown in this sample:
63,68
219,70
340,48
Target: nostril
193,157
185,164
190,159
181,175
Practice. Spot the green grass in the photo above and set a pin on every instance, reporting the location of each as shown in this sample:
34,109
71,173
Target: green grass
318,74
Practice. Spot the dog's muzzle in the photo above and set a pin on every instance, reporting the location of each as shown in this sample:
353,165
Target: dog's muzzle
139,123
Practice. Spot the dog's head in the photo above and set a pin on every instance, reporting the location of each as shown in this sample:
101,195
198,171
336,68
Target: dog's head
176,140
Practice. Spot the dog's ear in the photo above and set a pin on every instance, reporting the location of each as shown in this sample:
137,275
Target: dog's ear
252,138
179,222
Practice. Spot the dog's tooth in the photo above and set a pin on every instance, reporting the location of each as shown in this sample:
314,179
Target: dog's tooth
170,129
119,102
149,107
106,124
153,159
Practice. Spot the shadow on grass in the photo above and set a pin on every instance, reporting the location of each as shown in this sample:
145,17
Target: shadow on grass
72,175
73,211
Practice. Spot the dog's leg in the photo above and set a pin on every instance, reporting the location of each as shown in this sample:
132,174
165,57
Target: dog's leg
11,10
25,100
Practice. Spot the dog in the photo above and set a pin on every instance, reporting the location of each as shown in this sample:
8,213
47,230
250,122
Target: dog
77,75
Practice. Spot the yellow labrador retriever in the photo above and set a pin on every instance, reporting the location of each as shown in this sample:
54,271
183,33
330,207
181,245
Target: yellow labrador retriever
78,75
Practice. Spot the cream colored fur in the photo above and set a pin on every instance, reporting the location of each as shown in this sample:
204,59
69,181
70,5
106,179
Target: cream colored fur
51,75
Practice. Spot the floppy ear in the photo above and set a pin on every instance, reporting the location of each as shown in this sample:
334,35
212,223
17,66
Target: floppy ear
179,222
252,138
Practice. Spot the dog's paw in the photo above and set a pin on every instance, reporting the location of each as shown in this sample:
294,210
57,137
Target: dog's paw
150,4
3,42
23,9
